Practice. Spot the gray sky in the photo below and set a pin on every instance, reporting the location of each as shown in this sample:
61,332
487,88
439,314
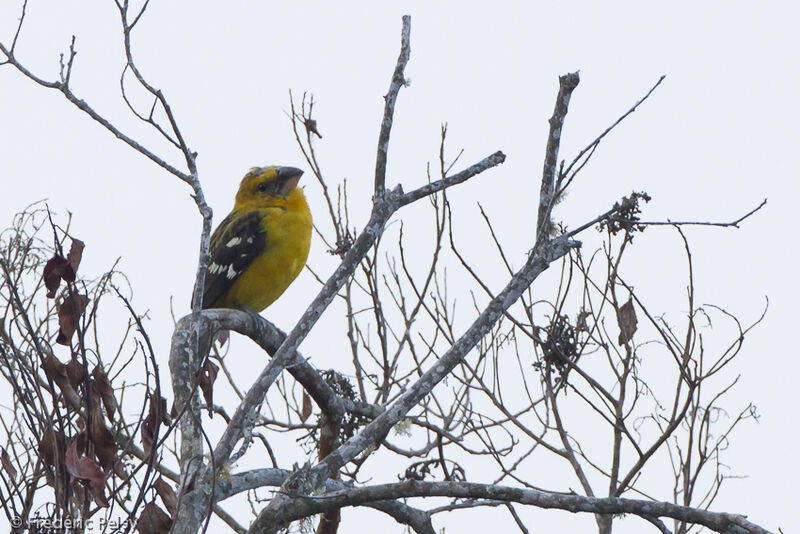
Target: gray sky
715,139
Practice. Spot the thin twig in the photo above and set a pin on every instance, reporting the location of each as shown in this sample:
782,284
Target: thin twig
734,223
591,146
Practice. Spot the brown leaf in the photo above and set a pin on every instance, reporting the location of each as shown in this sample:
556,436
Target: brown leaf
75,372
69,314
52,452
626,318
153,520
56,269
223,336
57,372
75,254
148,436
52,448
105,447
106,392
85,468
311,127
208,374
8,465
156,416
167,494
306,413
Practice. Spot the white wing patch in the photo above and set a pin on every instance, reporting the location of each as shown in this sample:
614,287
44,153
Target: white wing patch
216,268
233,242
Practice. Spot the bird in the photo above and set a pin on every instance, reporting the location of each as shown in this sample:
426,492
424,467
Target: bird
262,245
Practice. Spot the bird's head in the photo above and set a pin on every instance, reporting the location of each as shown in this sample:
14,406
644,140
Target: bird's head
267,186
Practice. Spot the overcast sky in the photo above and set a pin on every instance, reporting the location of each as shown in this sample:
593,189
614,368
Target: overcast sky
715,139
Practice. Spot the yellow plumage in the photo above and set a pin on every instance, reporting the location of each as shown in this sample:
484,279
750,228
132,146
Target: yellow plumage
261,247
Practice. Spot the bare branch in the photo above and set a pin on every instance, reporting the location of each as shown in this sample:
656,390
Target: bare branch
718,522
398,81
734,223
258,478
378,428
83,106
426,190
565,174
566,84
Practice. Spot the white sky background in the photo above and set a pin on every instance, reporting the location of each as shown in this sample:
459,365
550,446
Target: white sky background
716,138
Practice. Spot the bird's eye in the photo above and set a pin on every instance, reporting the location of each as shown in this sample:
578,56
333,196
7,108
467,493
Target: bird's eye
262,186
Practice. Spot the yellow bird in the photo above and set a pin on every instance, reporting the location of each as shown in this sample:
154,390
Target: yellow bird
261,247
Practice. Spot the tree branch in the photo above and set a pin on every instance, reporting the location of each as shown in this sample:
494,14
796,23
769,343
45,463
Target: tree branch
734,223
398,81
273,516
716,521
566,84
593,145
259,478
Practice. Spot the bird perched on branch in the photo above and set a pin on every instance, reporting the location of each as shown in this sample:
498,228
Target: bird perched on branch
262,245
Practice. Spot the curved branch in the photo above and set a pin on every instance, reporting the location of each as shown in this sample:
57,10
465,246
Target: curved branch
649,510
417,519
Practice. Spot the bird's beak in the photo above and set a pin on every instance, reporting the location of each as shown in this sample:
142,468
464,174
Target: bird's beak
288,177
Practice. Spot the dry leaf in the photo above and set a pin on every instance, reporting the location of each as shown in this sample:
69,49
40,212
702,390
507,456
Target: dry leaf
85,468
223,336
60,268
106,392
208,374
153,520
8,465
311,127
52,448
57,372
167,494
75,254
626,318
306,413
69,314
156,416
75,371
105,447
56,269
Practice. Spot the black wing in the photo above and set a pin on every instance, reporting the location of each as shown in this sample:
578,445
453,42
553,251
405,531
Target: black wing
236,242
